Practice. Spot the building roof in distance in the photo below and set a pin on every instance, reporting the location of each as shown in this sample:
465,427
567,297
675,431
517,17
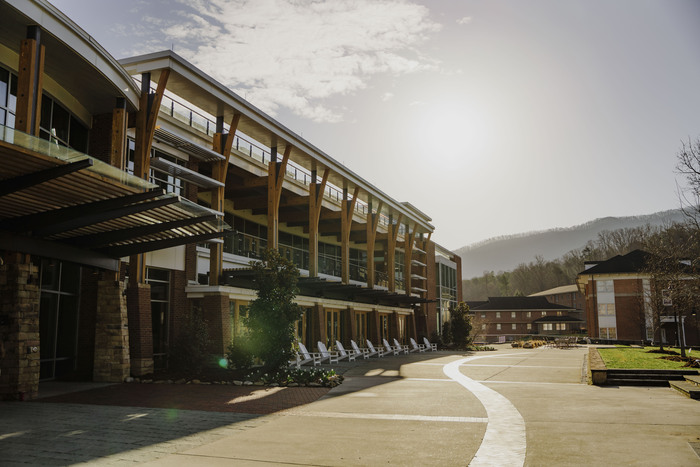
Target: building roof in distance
519,303
556,291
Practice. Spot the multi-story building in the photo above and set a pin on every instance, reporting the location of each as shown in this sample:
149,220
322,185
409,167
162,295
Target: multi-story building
619,295
511,318
137,192
567,295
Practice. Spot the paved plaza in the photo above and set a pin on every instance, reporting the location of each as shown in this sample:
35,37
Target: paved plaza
509,407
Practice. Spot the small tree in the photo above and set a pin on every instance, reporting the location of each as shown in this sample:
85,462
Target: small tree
461,326
271,316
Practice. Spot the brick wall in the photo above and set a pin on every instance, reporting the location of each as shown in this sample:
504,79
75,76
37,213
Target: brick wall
111,356
140,328
19,328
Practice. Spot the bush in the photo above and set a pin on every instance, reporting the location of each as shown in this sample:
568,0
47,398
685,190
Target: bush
239,354
189,351
461,326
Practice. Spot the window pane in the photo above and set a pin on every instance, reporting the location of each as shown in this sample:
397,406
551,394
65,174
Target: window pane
4,81
78,135
46,106
12,102
60,122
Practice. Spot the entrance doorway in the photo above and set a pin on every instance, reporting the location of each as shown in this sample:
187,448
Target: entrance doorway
59,284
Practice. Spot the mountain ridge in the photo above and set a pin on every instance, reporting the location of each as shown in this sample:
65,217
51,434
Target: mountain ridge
505,253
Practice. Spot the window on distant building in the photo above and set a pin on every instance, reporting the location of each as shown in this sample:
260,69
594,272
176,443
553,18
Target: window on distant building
561,327
498,314
608,333
544,313
605,287
529,314
512,314
513,326
498,326
547,327
560,313
483,315
483,326
529,326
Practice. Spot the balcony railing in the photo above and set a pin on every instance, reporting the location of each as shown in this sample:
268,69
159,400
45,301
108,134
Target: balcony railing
204,123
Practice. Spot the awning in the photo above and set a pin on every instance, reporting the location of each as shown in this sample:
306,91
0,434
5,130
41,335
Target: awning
63,204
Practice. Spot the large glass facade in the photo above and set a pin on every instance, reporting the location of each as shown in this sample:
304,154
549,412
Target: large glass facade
58,125
446,284
58,318
159,279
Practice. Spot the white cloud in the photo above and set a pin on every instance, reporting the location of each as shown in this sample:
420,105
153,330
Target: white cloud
387,96
464,20
299,53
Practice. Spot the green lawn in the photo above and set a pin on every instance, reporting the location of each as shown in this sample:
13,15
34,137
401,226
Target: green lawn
627,357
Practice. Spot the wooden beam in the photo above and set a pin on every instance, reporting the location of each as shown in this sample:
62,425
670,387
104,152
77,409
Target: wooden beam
117,155
348,209
275,180
30,83
315,207
391,252
222,144
372,223
149,106
409,239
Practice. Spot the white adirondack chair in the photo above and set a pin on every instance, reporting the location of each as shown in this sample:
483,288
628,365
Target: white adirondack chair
428,345
416,347
400,347
343,353
388,348
326,354
359,351
304,356
372,351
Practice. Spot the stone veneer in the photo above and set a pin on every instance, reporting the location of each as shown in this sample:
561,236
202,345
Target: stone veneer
19,328
112,363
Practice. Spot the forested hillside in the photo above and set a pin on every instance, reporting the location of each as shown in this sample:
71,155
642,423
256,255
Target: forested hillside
506,253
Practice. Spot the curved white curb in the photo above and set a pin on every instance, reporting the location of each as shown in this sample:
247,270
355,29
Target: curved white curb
504,442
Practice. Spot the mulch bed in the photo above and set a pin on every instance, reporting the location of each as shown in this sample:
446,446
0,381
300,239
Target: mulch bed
208,397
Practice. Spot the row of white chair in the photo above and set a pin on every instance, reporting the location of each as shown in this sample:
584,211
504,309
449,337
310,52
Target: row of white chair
303,356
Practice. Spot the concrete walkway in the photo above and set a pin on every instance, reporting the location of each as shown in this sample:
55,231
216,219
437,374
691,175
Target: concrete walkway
425,409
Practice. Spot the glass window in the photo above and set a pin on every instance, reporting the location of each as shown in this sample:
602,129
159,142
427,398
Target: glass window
498,326
498,314
529,326
512,314
513,326
4,86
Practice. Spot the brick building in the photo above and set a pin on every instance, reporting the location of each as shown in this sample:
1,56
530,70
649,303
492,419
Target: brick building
618,292
512,318
137,192
567,295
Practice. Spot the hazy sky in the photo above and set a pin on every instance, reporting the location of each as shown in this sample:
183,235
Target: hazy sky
494,117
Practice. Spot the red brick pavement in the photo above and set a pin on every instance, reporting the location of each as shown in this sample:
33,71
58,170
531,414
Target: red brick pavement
212,398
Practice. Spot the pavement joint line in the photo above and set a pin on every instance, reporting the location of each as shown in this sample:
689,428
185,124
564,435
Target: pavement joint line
504,442
388,416
523,366
261,461
440,380
526,382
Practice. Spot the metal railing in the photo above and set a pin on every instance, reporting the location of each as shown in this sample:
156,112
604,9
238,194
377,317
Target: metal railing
206,124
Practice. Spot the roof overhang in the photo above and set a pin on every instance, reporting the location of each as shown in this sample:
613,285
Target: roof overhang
193,85
74,60
60,203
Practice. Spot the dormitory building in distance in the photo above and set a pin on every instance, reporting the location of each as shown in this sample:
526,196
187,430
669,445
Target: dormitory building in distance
137,191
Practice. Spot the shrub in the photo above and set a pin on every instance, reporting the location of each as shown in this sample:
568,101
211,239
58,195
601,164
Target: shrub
239,354
189,350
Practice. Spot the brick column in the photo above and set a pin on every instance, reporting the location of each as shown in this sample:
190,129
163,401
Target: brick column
19,328
216,313
112,363
138,299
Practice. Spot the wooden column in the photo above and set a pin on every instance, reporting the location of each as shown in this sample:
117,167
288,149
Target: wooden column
117,155
276,171
409,238
29,82
391,252
347,210
149,105
315,205
372,223
223,143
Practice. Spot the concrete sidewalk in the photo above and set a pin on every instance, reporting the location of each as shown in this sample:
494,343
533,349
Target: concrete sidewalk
401,410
